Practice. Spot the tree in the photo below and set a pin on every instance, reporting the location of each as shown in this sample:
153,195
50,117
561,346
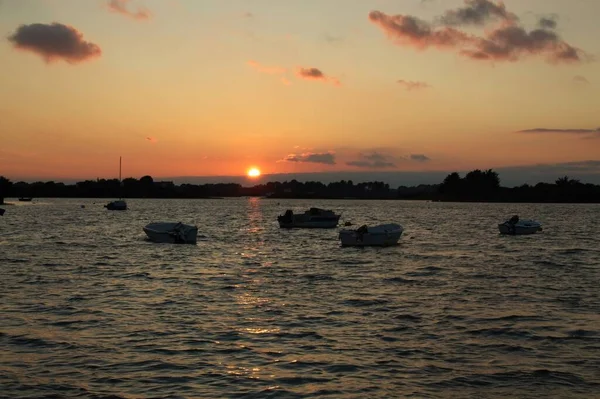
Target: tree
5,186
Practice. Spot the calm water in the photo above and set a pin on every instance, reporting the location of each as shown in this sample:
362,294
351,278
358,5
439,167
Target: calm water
89,309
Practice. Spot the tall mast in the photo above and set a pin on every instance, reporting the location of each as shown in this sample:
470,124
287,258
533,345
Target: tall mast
119,169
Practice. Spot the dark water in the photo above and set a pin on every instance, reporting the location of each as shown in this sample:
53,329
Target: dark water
89,309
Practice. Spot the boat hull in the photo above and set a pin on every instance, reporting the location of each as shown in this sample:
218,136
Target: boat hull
519,229
116,206
353,238
171,233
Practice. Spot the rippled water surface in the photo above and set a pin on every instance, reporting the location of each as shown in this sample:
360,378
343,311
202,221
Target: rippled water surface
89,309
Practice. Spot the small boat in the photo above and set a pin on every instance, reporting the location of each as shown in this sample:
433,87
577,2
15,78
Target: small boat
313,218
118,205
170,232
2,212
26,199
380,235
516,226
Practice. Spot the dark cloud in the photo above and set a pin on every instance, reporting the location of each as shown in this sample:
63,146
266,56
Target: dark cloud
547,23
563,131
420,157
54,41
327,158
412,31
507,42
477,12
373,160
410,85
121,7
311,73
316,74
511,42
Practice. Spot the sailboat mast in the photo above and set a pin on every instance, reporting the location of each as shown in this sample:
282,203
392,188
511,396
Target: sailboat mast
119,169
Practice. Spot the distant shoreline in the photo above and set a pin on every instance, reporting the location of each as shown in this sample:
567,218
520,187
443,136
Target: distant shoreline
476,186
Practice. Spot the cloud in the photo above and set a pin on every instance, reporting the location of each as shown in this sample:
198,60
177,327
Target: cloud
315,74
120,7
547,23
591,133
327,158
412,31
152,139
266,69
248,14
477,12
54,41
374,160
506,42
512,42
285,81
578,79
409,85
420,158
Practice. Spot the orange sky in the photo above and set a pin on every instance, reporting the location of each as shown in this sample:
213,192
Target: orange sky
211,88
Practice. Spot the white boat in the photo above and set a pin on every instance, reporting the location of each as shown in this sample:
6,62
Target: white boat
170,232
313,218
380,235
120,204
516,226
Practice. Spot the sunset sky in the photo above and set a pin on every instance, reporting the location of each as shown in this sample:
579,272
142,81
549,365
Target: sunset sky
214,87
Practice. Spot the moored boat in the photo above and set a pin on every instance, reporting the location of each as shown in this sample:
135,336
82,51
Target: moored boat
118,205
516,226
312,218
171,232
380,235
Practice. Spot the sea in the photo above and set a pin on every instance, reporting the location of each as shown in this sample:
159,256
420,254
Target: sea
90,309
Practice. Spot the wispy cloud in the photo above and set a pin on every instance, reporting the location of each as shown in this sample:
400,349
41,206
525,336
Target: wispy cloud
54,42
153,140
547,23
315,74
266,69
420,158
410,85
327,158
508,41
586,133
477,12
578,79
122,7
374,160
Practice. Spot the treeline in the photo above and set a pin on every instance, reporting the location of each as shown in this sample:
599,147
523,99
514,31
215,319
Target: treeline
476,185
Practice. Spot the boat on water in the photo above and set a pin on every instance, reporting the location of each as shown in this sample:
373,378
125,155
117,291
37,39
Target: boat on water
2,212
171,232
516,226
312,218
120,204
26,199
381,235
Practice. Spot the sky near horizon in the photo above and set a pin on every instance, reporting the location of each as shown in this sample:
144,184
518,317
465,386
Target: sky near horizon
213,87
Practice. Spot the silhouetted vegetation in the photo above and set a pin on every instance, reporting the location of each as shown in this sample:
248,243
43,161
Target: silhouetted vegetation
476,186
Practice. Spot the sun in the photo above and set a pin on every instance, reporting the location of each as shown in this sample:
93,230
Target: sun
253,172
